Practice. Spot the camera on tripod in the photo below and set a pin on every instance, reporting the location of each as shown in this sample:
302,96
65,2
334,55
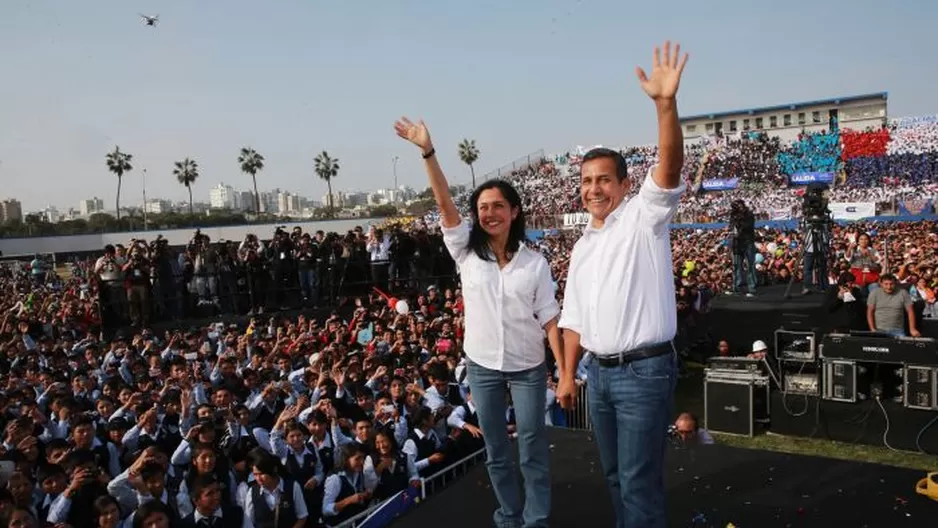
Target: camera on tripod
815,206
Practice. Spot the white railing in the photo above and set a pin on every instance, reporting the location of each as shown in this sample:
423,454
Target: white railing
448,473
434,481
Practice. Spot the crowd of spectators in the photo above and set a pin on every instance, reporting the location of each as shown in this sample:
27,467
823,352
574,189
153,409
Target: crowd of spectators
882,166
334,411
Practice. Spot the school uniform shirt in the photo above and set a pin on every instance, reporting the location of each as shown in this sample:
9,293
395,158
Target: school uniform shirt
334,487
410,447
272,498
505,308
372,478
280,449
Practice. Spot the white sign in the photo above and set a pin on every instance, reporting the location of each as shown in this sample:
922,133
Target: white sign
576,219
852,210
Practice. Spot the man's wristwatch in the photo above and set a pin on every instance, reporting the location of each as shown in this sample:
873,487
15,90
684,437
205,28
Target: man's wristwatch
429,154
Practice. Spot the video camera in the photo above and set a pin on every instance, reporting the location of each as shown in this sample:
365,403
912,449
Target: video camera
815,206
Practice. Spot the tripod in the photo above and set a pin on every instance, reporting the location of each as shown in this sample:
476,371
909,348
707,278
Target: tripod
818,236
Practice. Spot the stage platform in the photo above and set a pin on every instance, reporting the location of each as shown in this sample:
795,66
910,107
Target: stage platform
741,320
707,486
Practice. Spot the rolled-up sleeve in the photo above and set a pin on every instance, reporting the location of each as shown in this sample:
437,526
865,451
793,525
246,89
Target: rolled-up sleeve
330,494
571,317
659,205
545,296
456,240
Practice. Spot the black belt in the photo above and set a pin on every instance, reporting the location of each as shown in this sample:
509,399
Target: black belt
624,358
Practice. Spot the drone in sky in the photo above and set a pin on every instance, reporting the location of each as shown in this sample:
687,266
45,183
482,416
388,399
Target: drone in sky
150,20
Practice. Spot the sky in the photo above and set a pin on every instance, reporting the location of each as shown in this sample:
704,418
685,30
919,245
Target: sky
292,78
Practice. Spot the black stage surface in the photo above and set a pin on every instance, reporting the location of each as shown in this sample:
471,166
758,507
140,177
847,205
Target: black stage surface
707,486
741,320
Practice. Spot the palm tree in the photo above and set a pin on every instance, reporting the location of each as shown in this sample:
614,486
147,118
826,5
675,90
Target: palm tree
469,154
327,168
119,163
251,162
186,172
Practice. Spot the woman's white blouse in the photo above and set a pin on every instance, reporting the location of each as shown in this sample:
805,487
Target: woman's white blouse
506,308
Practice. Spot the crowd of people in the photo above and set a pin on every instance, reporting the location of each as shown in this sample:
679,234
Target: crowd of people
896,162
333,412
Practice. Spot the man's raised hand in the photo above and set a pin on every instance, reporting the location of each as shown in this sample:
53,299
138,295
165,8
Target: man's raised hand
415,133
665,74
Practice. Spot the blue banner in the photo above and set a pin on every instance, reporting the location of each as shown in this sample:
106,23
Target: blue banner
805,178
720,184
919,207
393,508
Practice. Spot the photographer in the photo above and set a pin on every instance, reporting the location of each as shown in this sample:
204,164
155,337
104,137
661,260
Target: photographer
137,271
742,243
307,256
403,270
249,253
816,226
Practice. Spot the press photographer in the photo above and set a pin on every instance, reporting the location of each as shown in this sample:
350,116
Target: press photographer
742,226
816,226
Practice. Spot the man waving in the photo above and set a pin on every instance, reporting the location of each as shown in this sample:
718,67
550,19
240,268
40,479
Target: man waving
619,305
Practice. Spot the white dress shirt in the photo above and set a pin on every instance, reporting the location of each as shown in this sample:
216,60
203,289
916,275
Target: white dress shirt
620,287
272,498
506,308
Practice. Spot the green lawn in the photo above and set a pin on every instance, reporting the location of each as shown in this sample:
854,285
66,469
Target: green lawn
689,397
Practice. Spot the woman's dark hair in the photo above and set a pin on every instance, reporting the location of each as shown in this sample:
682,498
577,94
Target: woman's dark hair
478,238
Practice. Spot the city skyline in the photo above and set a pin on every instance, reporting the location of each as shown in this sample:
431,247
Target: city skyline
305,77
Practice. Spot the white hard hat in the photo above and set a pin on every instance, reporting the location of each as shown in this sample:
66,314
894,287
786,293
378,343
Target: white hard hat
759,346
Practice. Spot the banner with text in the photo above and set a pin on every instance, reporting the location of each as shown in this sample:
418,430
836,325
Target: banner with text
919,207
780,213
806,178
576,219
852,210
720,184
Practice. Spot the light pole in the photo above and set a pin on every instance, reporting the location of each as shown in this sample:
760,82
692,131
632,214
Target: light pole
146,223
394,160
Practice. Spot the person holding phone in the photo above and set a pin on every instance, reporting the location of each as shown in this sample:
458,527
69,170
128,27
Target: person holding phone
510,303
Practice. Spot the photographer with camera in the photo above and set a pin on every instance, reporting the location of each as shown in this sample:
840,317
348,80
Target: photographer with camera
403,269
249,253
137,272
816,224
742,242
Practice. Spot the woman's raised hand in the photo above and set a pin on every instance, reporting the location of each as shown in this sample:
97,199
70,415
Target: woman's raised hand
415,133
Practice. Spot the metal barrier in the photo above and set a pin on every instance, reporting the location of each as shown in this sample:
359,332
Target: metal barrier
440,478
520,163
448,473
579,416
355,521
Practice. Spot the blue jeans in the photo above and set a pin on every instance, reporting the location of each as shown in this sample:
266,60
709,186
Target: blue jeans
810,281
528,395
630,407
749,257
309,285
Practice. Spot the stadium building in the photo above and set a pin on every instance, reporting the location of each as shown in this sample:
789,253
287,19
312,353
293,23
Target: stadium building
855,112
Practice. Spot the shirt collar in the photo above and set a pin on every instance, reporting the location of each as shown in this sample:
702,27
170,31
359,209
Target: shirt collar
612,218
216,514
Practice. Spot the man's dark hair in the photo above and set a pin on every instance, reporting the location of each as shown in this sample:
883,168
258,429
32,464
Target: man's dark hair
622,168
478,238
888,277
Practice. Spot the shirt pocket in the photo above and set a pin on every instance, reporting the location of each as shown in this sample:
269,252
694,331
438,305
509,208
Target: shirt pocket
478,275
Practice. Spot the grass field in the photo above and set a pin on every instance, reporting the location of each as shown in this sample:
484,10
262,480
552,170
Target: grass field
689,397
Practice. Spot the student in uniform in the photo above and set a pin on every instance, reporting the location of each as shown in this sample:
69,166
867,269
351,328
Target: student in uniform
320,439
206,496
465,420
388,470
288,443
424,445
273,500
345,493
